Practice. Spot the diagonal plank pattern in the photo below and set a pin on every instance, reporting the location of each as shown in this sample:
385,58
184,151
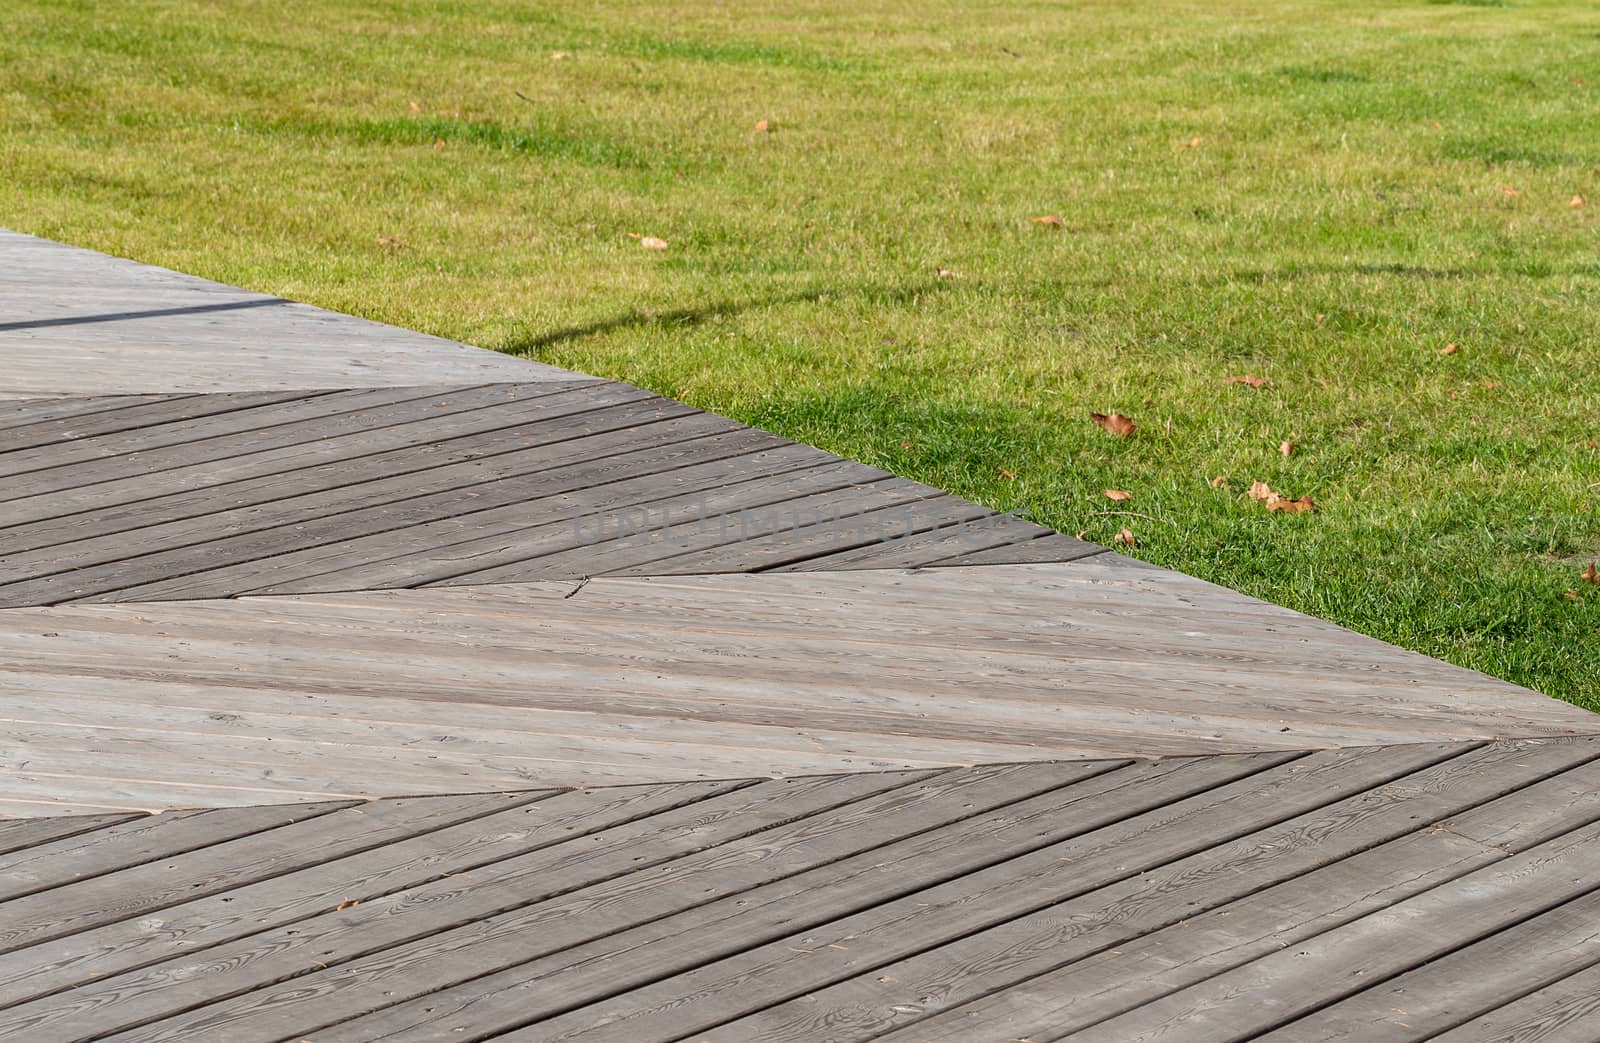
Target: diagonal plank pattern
718,737
661,678
207,496
1115,899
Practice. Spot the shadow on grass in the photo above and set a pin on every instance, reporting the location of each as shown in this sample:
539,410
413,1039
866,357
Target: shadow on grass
688,317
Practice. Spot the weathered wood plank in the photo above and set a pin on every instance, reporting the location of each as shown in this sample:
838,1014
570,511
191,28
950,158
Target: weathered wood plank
759,910
490,411
1008,955
1052,548
283,501
571,421
26,412
1562,1012
1551,790
782,988
1498,969
17,834
248,968
902,507
919,548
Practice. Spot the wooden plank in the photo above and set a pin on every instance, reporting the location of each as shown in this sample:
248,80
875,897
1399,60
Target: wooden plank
894,508
273,411
228,564
494,410
1052,548
1561,1012
24,412
511,826
152,330
1551,789
762,984
920,548
18,834
1499,969
361,477
508,827
1010,954
659,529
723,911
248,968
412,542
1273,989
170,409
292,500
246,844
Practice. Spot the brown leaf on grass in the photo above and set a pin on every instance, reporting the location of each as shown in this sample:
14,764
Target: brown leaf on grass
761,126
1286,447
1577,202
559,56
1049,221
1261,491
1004,473
945,273
1124,538
1510,192
1571,595
649,242
1248,378
1436,125
438,144
1449,349
390,241
1279,503
1083,533
1119,495
1590,574
1193,142
415,107
1488,385
1219,482
1115,423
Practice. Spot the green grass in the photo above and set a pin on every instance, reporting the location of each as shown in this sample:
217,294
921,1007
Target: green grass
1342,218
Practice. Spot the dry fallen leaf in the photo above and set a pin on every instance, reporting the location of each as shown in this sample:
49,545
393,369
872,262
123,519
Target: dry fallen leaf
1083,534
438,143
1115,423
416,107
1488,385
1577,202
349,903
1286,447
1118,495
945,273
1571,595
557,56
1278,503
1125,538
390,240
649,242
1193,142
1219,482
1449,349
1591,574
1049,220
1510,192
1254,381
1436,125
1007,474
761,126
1261,491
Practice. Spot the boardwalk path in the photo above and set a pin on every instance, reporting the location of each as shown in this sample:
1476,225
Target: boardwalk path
519,704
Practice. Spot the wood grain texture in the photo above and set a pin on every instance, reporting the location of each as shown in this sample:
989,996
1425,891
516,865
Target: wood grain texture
655,679
82,323
1385,893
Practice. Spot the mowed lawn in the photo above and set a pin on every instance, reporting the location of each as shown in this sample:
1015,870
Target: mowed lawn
1321,194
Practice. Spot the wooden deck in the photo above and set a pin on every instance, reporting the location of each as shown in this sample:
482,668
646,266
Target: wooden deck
484,700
